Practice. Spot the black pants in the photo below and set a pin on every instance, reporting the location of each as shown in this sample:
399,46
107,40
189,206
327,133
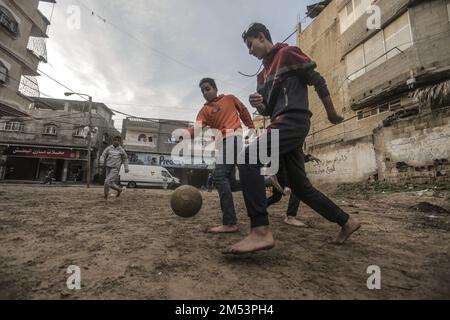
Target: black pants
292,133
293,163
294,202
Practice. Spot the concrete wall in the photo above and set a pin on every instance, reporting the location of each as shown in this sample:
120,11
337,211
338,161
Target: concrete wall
343,163
415,150
348,150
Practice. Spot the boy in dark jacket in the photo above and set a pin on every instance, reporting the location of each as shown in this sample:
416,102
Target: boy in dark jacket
283,95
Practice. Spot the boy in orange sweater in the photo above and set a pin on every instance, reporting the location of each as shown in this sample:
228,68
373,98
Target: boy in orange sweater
224,113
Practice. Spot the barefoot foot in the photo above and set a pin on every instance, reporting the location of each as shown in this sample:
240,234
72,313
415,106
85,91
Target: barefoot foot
224,229
260,238
350,227
294,222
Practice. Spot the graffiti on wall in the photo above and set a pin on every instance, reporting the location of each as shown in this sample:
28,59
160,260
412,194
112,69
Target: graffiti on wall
343,164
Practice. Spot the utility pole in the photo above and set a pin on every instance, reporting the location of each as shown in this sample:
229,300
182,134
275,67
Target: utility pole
89,137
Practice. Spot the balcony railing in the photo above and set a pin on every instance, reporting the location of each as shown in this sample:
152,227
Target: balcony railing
29,86
38,47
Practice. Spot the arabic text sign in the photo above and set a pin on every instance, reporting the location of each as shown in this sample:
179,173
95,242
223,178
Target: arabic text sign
45,153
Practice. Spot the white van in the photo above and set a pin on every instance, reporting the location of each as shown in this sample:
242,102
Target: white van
154,176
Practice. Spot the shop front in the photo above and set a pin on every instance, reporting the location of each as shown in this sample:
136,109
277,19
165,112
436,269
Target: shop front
35,162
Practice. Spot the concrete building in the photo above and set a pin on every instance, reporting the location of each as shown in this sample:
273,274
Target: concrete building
150,142
54,136
23,30
390,81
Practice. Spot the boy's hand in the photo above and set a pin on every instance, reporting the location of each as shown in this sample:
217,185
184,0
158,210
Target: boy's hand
256,100
334,118
314,159
127,170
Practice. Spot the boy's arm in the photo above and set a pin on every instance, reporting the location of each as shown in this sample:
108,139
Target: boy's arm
104,156
201,117
309,157
125,160
244,114
315,79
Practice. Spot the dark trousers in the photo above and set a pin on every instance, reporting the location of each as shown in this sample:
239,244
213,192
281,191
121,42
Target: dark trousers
292,133
251,184
224,178
293,163
293,206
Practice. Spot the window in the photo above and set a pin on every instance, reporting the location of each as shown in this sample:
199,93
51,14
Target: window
352,12
382,46
395,104
172,140
3,73
391,105
8,22
383,107
152,141
448,11
349,8
12,126
398,36
50,130
374,51
79,132
165,174
355,63
142,138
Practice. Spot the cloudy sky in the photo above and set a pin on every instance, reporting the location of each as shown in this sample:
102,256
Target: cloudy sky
146,57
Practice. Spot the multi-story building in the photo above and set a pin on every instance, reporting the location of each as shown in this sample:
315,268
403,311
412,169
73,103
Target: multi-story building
23,31
54,137
387,65
151,141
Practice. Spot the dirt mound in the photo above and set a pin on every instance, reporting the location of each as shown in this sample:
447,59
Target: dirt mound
427,207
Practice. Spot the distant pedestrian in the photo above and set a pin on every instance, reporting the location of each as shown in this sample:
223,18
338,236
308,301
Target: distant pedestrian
210,182
112,158
49,177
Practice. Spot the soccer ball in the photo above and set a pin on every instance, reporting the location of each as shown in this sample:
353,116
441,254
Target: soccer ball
186,201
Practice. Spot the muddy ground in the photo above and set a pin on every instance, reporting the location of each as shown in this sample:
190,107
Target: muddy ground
134,247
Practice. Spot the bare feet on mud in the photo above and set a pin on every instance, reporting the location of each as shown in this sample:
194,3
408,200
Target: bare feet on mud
350,227
294,222
224,229
260,238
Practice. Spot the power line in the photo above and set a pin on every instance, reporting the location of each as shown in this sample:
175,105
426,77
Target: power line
163,54
64,86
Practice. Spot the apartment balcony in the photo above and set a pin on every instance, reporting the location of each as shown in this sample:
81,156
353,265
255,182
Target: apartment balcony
29,86
38,48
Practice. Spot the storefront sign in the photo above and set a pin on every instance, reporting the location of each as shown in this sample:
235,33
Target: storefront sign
27,152
168,161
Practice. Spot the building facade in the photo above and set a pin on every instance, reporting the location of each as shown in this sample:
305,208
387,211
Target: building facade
388,74
54,137
23,30
151,142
